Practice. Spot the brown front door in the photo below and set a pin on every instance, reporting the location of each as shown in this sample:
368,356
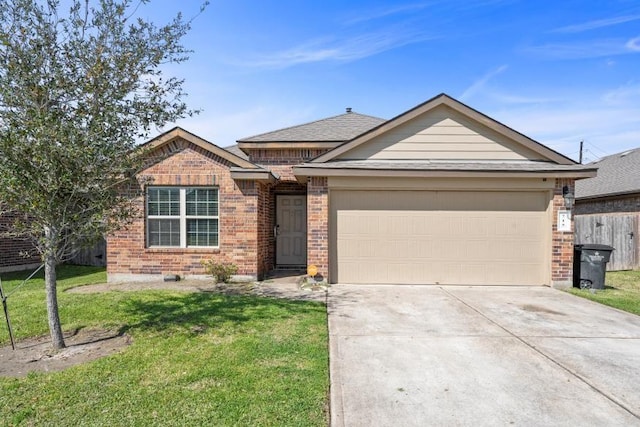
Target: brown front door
291,230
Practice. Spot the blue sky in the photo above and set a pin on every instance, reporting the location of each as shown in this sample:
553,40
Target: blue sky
557,71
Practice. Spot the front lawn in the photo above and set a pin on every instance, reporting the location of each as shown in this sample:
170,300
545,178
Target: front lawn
196,359
622,291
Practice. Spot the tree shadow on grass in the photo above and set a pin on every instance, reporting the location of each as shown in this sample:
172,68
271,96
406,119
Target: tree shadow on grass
62,272
69,271
196,312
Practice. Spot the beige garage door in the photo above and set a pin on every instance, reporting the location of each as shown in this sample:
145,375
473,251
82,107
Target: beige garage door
439,237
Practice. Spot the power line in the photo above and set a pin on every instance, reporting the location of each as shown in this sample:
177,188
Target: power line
597,148
588,159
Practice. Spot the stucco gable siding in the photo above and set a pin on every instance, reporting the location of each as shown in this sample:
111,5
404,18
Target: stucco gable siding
441,134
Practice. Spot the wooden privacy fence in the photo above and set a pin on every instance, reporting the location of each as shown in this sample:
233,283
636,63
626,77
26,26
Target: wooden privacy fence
617,230
96,256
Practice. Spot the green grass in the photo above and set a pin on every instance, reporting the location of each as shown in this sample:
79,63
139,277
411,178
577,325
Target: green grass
196,359
622,291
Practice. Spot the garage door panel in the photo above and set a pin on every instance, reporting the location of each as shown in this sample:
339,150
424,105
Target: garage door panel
446,237
475,226
364,249
473,247
424,246
497,201
459,273
418,226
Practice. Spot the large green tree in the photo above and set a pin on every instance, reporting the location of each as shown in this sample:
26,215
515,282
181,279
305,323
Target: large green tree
80,84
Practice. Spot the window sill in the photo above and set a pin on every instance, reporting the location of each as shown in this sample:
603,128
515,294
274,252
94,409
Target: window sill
204,250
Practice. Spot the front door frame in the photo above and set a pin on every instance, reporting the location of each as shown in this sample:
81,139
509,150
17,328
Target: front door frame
283,260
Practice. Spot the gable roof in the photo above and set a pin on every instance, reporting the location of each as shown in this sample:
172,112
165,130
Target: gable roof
468,112
332,129
179,133
618,174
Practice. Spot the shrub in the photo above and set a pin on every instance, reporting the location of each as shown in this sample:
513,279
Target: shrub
221,272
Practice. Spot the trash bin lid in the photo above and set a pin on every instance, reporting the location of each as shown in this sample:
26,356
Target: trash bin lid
595,247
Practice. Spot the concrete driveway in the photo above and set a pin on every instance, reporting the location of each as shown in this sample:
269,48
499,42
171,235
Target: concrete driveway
455,355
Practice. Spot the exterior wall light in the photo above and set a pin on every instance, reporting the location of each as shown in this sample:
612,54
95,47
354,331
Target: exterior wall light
569,197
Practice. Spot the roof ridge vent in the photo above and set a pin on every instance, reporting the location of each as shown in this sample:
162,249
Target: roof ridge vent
625,153
348,109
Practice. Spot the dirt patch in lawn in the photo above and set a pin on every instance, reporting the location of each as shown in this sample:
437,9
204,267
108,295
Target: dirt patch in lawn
37,355
287,287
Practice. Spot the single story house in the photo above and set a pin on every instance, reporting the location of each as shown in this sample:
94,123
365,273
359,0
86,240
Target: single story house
607,208
440,194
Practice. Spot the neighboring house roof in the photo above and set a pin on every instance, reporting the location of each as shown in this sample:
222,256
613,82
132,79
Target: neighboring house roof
332,129
618,174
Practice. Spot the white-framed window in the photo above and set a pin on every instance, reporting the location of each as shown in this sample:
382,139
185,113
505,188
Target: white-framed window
183,217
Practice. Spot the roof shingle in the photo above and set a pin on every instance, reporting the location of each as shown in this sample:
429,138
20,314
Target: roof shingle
234,149
617,174
332,129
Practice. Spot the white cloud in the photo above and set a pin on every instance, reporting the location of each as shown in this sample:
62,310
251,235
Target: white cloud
633,44
347,48
480,83
571,119
587,49
600,23
450,6
623,94
505,98
562,126
383,13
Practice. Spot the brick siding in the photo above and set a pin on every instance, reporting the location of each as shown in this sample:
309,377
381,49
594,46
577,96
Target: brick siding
562,242
15,253
265,231
629,203
184,164
247,212
318,224
280,162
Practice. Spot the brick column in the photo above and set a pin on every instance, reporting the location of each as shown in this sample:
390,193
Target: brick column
562,245
318,225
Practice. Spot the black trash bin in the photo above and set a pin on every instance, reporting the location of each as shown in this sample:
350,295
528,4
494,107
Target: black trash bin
590,264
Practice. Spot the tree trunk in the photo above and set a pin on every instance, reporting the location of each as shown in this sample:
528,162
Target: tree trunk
57,339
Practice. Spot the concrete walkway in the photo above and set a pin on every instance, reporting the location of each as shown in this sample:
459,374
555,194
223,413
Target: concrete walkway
436,355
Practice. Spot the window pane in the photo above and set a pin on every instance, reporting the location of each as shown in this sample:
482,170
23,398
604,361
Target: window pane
202,202
164,232
163,201
202,232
